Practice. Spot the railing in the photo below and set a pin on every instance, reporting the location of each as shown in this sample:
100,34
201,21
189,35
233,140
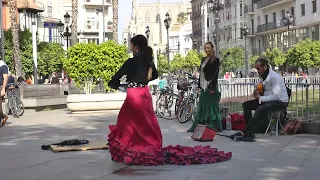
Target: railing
271,26
304,102
248,9
264,3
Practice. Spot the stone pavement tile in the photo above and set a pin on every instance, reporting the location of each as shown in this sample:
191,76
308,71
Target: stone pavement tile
278,171
144,175
303,143
286,161
25,160
88,171
255,177
296,153
315,154
234,166
310,167
307,177
222,176
44,169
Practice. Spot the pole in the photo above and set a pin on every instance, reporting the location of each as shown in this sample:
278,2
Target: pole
34,53
1,29
217,35
67,36
246,56
104,22
168,54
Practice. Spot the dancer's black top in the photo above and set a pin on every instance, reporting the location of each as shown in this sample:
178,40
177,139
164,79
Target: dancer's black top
211,73
136,69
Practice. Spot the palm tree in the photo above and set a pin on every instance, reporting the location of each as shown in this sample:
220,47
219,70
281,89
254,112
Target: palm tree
182,18
74,24
115,6
15,36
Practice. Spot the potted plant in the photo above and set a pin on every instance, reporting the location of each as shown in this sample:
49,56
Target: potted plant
86,65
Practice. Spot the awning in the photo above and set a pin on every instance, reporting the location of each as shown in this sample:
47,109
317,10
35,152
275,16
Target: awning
28,5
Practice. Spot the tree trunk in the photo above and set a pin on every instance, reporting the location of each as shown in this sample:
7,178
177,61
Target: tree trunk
115,6
15,36
74,24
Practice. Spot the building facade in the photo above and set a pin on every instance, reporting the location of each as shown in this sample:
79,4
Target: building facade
180,40
268,23
153,15
197,23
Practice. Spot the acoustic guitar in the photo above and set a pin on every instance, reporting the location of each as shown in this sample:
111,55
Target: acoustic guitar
260,88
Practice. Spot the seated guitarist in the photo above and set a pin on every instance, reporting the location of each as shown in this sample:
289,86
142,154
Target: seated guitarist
273,98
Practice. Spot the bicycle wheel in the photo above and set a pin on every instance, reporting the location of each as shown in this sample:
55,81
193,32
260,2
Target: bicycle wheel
185,113
16,106
20,106
167,106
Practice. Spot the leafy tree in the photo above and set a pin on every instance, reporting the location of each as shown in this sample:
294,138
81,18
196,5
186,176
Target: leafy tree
26,56
252,60
50,56
110,58
305,54
275,56
182,17
192,60
177,63
82,65
162,64
26,52
232,62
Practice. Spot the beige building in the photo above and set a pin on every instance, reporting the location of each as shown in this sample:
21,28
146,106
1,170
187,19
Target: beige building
153,15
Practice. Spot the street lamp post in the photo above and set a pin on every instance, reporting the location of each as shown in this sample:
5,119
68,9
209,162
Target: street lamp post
65,34
147,32
245,33
288,20
167,23
216,6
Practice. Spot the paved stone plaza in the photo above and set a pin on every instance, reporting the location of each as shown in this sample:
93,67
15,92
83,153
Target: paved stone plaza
292,157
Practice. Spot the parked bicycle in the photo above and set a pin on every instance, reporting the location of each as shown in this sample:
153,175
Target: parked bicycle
188,108
168,103
16,107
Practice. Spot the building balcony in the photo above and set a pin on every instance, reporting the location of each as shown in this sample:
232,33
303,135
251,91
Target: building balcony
97,2
272,26
248,9
262,4
197,33
227,3
257,51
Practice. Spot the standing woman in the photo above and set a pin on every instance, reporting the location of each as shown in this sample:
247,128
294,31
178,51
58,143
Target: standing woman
136,139
208,107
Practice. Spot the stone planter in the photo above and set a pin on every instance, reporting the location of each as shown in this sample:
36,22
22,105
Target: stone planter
95,102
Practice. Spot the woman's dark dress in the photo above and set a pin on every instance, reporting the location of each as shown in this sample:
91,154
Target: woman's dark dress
136,139
208,108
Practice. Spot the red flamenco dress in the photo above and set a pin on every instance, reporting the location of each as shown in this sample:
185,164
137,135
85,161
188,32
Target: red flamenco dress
136,139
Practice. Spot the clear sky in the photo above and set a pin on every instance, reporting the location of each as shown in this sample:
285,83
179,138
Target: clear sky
125,7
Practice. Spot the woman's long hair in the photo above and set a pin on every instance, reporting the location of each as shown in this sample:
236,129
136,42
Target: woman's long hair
142,42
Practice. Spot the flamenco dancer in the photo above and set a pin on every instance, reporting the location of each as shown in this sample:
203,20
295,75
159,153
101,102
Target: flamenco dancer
136,139
208,107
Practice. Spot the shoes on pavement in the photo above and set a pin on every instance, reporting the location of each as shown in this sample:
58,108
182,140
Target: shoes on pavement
4,120
246,137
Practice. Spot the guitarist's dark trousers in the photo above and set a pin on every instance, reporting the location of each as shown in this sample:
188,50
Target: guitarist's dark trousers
260,118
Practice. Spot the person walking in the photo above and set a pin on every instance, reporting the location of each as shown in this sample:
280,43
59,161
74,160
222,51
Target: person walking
208,107
136,139
4,76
